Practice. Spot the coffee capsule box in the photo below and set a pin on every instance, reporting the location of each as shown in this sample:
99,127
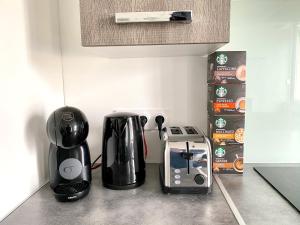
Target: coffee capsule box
227,67
228,159
226,99
226,129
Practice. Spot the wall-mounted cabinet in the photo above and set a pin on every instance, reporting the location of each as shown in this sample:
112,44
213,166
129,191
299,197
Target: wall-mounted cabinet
209,26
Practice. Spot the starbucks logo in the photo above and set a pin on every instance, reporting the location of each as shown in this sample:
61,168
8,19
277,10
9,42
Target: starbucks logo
220,152
220,123
222,59
221,92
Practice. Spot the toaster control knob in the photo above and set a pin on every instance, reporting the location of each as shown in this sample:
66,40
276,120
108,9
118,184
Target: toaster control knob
199,179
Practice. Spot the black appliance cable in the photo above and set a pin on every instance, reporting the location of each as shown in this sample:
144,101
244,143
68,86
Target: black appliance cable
94,165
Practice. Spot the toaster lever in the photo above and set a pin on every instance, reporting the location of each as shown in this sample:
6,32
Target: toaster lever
187,155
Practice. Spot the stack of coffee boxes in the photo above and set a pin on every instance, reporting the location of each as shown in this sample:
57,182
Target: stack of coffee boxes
226,109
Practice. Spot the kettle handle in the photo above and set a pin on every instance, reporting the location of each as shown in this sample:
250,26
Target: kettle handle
145,144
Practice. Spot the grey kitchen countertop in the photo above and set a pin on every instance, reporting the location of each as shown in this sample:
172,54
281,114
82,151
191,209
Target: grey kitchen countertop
257,201
143,205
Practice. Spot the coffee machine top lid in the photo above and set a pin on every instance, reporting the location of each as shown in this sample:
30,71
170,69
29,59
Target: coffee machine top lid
67,127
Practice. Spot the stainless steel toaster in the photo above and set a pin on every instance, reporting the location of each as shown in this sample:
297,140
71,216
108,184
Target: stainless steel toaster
187,165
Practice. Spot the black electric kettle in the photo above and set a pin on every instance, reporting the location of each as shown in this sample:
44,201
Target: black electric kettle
123,152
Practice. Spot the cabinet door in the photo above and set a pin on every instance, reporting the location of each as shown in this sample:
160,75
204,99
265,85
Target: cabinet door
210,23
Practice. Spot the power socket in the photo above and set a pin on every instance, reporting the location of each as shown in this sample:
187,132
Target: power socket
150,114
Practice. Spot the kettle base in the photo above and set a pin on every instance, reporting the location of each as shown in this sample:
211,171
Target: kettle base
124,187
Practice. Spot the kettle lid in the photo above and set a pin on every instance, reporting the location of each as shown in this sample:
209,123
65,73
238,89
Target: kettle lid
121,115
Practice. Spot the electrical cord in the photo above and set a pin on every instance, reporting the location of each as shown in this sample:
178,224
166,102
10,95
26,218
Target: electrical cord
96,165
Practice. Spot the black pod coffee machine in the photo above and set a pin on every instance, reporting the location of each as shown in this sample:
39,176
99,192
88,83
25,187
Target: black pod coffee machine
69,155
123,163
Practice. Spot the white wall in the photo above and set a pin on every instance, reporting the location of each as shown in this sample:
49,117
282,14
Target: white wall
30,88
267,29
98,86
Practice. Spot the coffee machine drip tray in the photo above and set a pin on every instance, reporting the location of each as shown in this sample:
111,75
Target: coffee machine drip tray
286,180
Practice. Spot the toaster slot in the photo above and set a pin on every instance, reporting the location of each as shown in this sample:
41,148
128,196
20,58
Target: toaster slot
175,130
190,130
